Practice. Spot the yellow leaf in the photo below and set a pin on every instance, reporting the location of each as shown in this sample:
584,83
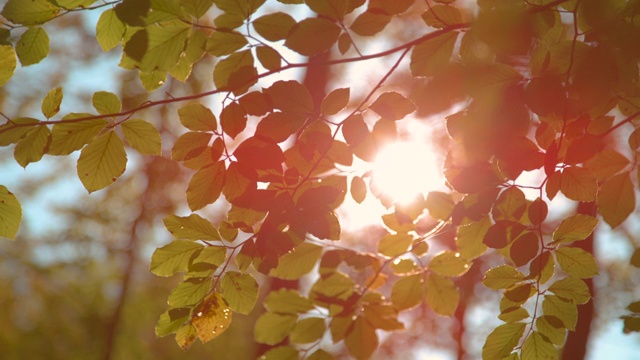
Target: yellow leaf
565,311
10,214
189,292
240,291
106,102
552,328
29,12
571,289
272,328
185,336
109,30
607,163
502,340
577,262
440,16
361,339
173,257
287,301
312,36
226,67
513,314
275,26
190,145
617,199
33,146
69,137
576,227
192,227
579,184
142,136
222,43
102,161
440,205
308,330
394,244
449,263
502,277
51,102
469,238
33,46
206,185
442,295
281,353
537,347
297,262
8,63
211,318
157,47
408,291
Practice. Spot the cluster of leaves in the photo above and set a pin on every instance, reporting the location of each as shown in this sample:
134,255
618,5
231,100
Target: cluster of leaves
283,179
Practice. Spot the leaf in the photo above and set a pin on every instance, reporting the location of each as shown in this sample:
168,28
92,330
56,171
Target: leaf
616,199
51,102
514,314
607,163
298,262
335,9
552,328
442,295
524,248
287,301
173,257
8,63
69,137
470,237
281,353
358,189
33,46
536,346
577,262
408,291
571,289
157,47
260,153
441,16
190,145
189,292
320,355
102,161
153,80
274,26
440,205
361,339
336,285
391,7
268,57
392,245
579,184
272,328
502,340
256,103
502,277
206,185
109,30
168,325
29,12
106,102
185,336
242,8
312,36
392,106
211,318
233,119
10,214
370,23
222,43
290,97
510,205
33,146
565,311
430,57
537,211
142,136
308,330
576,227
192,227
240,291
449,263
335,101
635,259
279,126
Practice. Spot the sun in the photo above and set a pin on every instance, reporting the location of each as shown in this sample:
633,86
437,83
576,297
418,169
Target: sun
405,169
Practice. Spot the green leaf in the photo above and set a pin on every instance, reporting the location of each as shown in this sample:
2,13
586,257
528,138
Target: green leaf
186,335
470,238
33,146
565,311
240,291
192,227
502,277
211,256
538,347
190,145
576,227
430,57
109,30
275,26
513,314
579,184
312,36
442,295
577,262
268,57
72,4
287,301
106,102
335,101
502,340
392,106
298,262
197,117
51,102
361,339
441,16
211,318
272,328
510,205
173,257
449,263
197,8
69,137
152,80
440,205
206,185
8,63
29,12
617,199
392,245
233,119
230,65
239,7
142,136
571,289
337,285
222,43
102,161
157,47
189,292
408,291
10,214
33,46
308,330
167,325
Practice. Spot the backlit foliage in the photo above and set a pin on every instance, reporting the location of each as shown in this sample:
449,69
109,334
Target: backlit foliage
537,85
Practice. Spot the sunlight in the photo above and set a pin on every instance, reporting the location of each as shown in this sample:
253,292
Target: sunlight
402,170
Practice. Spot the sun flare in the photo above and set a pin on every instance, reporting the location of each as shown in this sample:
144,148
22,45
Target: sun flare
402,170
